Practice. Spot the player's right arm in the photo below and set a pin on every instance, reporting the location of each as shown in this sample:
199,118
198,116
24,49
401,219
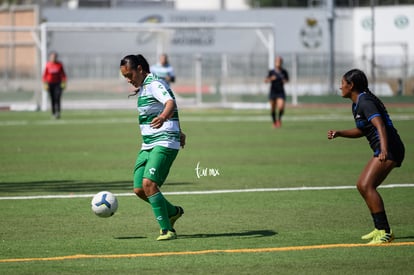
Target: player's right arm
351,133
270,77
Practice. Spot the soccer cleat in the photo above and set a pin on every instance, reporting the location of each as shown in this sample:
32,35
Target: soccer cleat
167,235
277,124
370,235
381,237
173,219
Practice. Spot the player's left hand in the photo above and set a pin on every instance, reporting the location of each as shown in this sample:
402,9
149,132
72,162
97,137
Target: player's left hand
157,122
182,139
383,156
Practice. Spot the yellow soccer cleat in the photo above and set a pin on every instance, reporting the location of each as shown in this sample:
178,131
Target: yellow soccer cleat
167,235
381,237
370,235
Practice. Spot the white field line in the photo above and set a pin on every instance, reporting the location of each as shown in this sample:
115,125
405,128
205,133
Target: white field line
332,117
208,192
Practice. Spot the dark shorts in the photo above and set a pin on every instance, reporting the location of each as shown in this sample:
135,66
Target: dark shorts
274,95
396,153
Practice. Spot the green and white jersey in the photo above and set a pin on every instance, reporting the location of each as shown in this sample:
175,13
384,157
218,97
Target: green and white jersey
153,94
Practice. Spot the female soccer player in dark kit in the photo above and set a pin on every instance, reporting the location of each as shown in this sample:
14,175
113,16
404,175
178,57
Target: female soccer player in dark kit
277,78
373,122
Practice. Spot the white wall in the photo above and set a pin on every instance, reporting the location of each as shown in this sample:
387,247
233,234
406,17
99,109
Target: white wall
393,25
393,39
211,4
291,26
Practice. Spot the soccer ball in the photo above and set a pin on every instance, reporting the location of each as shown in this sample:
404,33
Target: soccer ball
104,204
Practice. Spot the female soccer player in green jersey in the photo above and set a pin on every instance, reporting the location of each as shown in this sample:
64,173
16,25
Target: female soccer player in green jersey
373,122
162,139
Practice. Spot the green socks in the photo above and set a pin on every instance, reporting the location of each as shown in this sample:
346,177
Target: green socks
160,207
171,209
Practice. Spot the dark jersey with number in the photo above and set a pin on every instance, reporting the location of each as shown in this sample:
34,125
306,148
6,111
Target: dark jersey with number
364,110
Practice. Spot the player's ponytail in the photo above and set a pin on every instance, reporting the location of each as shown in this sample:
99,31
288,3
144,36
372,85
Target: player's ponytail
143,62
380,103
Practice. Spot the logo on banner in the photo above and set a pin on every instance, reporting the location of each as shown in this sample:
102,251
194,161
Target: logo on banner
367,23
145,37
311,34
401,21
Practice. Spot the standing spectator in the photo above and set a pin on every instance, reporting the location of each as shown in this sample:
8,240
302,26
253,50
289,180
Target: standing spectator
163,69
373,122
277,78
54,81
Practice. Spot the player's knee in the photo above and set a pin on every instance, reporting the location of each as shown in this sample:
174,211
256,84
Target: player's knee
363,188
149,186
147,183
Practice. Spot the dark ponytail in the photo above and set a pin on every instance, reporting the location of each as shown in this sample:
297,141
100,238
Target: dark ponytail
380,103
360,82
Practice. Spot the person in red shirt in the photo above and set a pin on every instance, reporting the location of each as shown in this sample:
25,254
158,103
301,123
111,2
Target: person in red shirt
54,80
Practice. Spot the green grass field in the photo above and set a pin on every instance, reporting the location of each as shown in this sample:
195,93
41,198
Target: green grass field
267,229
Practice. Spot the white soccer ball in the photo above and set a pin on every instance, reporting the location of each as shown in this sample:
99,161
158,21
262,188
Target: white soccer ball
104,204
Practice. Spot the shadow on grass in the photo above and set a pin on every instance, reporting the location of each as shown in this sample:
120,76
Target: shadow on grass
178,183
71,186
252,233
62,186
129,238
404,237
